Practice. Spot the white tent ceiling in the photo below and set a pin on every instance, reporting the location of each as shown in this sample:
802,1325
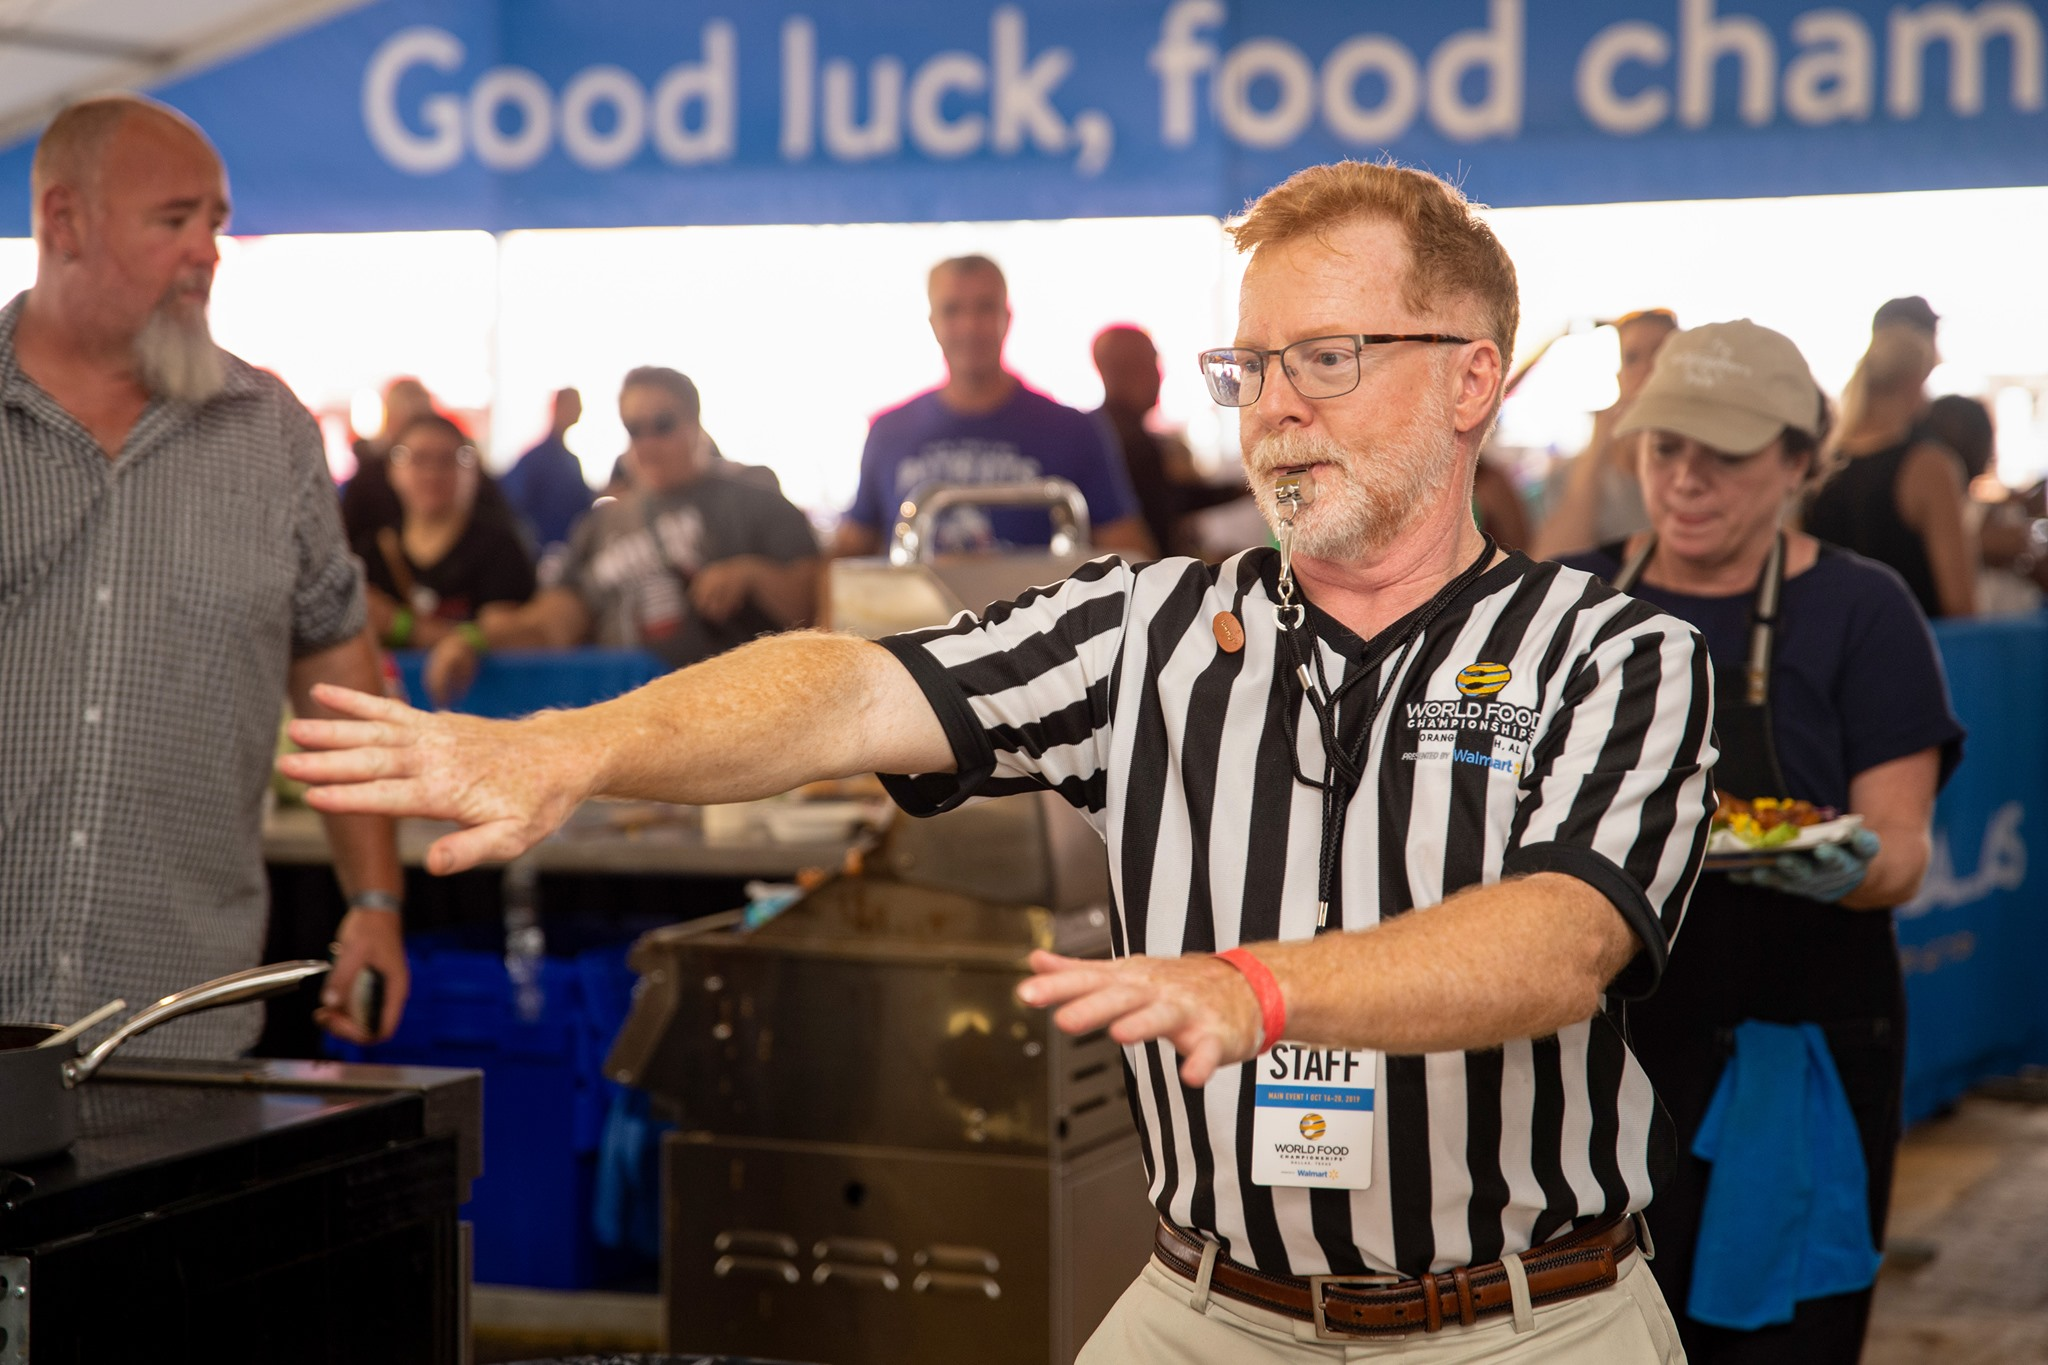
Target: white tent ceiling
52,51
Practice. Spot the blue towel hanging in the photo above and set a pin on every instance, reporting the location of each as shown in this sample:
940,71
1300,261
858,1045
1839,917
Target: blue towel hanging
1787,1213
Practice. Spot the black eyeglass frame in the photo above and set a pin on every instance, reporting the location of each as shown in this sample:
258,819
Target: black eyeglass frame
1359,340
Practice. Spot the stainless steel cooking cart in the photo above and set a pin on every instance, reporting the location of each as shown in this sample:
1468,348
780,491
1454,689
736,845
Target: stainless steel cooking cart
883,1156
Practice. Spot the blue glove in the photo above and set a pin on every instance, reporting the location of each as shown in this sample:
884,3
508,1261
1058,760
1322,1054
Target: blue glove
1827,873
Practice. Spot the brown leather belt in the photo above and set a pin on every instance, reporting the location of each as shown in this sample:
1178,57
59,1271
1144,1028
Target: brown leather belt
1341,1306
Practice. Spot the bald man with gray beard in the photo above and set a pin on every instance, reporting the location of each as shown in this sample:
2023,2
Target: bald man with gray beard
171,568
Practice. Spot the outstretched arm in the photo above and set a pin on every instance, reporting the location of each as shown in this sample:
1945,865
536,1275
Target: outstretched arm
1517,959
1612,807
760,720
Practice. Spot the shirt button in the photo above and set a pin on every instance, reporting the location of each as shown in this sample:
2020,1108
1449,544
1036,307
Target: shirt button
104,595
92,715
67,963
78,838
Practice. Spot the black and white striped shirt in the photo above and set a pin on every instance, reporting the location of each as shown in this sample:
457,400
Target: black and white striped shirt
1590,759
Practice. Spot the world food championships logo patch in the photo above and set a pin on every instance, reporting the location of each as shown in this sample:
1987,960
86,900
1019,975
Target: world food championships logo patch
1476,728
1312,1126
1483,680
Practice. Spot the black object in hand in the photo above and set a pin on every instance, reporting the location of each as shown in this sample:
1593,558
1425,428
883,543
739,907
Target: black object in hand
366,1001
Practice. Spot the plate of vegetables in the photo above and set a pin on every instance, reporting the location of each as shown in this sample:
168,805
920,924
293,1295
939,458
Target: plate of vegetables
1748,833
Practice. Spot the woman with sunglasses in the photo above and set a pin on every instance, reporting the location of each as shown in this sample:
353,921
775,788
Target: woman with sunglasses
1786,973
447,559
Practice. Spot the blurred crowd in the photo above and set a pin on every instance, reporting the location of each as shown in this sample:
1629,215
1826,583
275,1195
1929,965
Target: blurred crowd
687,553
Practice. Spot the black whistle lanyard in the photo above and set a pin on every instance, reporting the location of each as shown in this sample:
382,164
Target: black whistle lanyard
1344,769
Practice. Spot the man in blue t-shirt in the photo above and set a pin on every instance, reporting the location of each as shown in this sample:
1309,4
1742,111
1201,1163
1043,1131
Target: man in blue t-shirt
984,426
546,488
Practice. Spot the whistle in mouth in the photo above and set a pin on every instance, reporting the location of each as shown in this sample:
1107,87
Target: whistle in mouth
1293,491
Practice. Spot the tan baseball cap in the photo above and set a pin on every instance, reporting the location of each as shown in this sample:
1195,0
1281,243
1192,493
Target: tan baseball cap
1730,385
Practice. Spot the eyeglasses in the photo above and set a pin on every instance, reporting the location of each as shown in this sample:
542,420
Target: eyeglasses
1320,367
661,424
465,457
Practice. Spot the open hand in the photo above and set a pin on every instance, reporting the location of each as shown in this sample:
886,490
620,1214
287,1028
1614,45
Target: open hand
1201,1006
508,783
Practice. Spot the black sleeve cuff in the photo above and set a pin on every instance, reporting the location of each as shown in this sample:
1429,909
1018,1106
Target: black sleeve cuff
974,757
1640,977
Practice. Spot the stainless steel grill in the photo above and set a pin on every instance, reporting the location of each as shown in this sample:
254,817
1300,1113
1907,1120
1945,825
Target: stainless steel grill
883,1156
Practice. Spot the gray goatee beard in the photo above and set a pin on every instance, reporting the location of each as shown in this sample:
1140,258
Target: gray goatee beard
1364,499
175,357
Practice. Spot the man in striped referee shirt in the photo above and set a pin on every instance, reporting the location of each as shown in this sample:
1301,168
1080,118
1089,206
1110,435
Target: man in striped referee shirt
1367,1129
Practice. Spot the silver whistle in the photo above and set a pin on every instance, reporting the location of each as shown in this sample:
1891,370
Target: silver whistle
1292,491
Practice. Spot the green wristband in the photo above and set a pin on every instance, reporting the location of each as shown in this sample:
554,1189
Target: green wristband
400,632
473,635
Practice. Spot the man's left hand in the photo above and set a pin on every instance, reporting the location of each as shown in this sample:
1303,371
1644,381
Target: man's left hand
371,938
1203,1007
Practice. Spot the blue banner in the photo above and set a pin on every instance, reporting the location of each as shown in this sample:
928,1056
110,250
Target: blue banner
1974,939
578,113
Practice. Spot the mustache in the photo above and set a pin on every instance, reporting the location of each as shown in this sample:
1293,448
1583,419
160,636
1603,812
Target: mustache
1283,450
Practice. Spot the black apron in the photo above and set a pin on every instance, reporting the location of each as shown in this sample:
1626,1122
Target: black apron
1748,952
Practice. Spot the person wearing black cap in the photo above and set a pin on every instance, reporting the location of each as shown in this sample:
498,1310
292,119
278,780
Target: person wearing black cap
1827,689
1896,494
1910,311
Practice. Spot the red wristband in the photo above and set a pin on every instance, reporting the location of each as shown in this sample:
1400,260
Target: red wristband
1272,1006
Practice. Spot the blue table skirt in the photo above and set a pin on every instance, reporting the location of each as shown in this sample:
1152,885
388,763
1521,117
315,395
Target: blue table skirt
517,682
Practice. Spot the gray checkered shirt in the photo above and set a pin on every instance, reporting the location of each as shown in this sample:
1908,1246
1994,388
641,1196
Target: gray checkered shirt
150,607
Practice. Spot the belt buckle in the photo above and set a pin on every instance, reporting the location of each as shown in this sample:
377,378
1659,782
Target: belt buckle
1318,1283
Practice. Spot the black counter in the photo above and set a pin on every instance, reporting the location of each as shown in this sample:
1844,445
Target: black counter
247,1212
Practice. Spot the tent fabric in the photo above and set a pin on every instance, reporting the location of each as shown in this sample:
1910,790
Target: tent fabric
53,51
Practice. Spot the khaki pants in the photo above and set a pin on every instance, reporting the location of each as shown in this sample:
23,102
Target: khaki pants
1157,1321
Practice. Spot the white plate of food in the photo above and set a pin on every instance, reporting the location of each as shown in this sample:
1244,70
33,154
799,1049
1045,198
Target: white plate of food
1748,833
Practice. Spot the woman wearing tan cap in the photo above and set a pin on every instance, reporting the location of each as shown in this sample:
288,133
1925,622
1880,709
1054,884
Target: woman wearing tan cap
1827,689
